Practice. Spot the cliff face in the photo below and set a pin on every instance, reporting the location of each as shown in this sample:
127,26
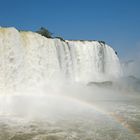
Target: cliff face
29,59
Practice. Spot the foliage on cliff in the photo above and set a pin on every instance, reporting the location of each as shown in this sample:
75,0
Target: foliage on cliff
44,32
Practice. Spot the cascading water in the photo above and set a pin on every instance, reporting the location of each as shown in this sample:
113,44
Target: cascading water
60,105
28,59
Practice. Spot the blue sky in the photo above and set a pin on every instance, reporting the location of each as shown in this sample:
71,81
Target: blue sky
117,22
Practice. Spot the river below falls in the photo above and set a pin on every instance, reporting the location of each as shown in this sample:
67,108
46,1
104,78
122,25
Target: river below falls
57,117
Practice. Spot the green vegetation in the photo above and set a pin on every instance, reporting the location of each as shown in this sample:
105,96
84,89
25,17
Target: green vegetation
60,38
44,32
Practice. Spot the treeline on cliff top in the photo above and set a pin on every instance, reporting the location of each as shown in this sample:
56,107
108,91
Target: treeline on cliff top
46,33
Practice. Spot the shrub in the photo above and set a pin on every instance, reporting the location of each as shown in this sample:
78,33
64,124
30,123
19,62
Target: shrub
60,38
44,32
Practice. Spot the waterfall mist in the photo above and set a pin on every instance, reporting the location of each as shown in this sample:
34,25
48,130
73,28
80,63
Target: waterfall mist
58,90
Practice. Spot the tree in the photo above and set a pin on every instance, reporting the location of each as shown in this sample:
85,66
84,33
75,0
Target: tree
44,32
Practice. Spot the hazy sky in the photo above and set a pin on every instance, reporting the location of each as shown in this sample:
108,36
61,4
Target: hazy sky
117,22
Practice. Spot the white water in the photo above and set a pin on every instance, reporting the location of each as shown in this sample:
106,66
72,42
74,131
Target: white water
28,60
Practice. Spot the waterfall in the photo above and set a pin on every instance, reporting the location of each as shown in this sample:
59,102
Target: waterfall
28,59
